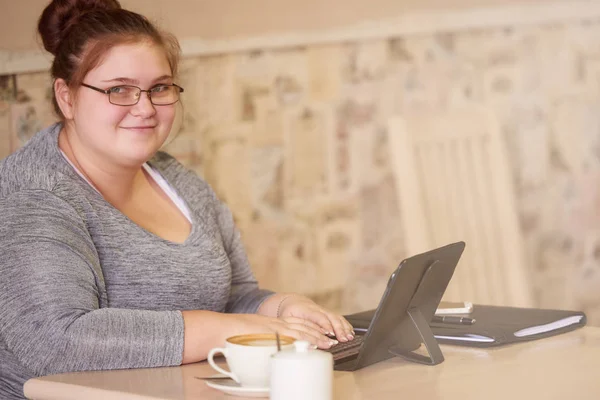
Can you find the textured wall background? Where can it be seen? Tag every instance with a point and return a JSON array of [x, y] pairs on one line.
[[294, 140]]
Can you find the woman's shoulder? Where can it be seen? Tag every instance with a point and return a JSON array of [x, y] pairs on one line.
[[36, 166]]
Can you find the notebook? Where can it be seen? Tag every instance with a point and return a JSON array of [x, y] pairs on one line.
[[496, 326], [399, 325]]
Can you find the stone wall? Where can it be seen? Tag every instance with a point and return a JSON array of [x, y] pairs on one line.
[[294, 140]]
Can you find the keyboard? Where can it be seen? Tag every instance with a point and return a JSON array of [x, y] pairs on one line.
[[344, 350]]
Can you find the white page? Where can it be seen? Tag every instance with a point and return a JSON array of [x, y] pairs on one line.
[[469, 337], [561, 323]]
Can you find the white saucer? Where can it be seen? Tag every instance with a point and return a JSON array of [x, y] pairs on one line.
[[229, 386]]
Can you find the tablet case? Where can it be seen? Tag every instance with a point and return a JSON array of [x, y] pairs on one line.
[[399, 324], [495, 325]]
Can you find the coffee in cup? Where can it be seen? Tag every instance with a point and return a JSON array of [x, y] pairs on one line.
[[249, 357]]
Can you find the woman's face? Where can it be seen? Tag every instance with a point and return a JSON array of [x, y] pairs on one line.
[[124, 135]]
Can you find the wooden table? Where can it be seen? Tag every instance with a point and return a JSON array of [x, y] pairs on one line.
[[561, 367]]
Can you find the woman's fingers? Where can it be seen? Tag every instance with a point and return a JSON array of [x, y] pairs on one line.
[[334, 324], [331, 324], [342, 329], [348, 326], [318, 317], [301, 331], [302, 307], [308, 323]]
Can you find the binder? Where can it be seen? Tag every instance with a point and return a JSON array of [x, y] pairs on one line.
[[497, 325]]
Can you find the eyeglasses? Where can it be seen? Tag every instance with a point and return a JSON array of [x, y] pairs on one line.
[[127, 95]]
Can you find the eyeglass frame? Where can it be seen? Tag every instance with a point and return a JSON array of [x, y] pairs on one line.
[[149, 91]]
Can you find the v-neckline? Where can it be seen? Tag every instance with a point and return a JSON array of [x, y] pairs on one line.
[[118, 212]]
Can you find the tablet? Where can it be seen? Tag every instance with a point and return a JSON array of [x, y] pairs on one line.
[[400, 323]]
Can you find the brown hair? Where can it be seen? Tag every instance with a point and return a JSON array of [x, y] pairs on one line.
[[79, 33]]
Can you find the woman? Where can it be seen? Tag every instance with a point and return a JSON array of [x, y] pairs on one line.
[[112, 254]]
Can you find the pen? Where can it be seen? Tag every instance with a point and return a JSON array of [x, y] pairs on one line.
[[453, 319]]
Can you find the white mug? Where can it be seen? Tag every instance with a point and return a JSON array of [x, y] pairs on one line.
[[302, 374], [249, 357]]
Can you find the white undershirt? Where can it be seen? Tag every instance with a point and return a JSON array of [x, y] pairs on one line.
[[160, 181], [168, 189]]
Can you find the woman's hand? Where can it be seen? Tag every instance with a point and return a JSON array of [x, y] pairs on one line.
[[297, 306], [298, 328], [204, 330]]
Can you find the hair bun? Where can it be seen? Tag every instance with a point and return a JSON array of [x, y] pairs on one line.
[[60, 16]]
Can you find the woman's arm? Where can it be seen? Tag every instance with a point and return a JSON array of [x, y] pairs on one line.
[[54, 315], [206, 329]]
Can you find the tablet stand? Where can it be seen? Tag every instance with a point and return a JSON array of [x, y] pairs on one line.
[[421, 325]]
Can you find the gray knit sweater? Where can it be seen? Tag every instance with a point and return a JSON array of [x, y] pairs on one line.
[[82, 287]]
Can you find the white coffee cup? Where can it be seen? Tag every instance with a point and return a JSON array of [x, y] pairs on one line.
[[249, 357], [302, 374]]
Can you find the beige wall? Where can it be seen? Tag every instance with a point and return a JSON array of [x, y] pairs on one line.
[[212, 19]]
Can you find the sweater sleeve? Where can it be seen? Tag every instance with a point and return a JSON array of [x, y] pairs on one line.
[[245, 296], [53, 312]]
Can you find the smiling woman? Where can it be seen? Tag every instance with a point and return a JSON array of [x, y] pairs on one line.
[[112, 254], [102, 127]]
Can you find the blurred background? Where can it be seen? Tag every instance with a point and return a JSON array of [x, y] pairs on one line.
[[287, 111]]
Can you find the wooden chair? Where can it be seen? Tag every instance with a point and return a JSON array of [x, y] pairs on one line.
[[453, 183]]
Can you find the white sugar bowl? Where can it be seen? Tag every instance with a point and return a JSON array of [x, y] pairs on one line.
[[302, 374]]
